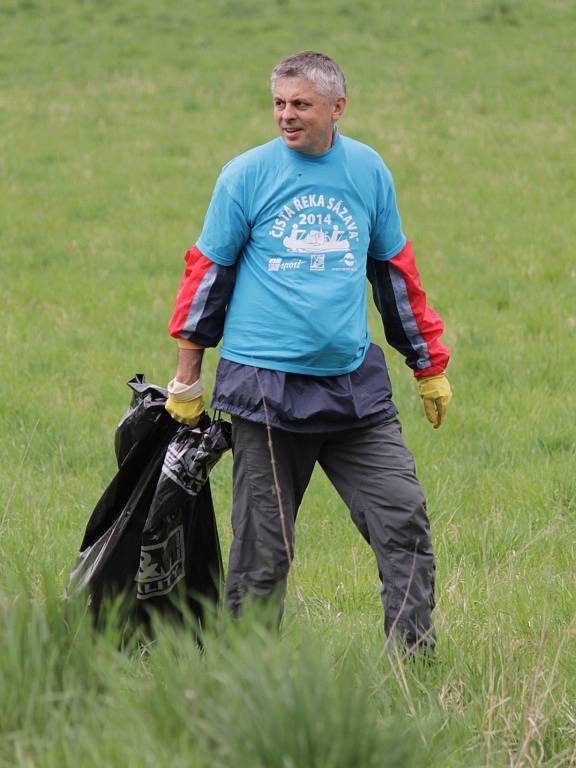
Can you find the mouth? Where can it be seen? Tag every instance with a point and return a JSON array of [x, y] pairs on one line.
[[291, 132]]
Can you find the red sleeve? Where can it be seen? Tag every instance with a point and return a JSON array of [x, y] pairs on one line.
[[202, 298], [411, 325]]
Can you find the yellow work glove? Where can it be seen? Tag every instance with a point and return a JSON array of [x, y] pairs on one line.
[[436, 393], [185, 402]]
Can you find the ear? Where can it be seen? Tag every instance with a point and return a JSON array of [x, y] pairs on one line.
[[338, 108]]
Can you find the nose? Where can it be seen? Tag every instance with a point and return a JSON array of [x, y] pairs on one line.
[[288, 113]]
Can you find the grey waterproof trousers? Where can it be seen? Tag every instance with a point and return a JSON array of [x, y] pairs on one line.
[[374, 474]]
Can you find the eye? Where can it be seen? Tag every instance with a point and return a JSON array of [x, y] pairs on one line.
[[279, 104]]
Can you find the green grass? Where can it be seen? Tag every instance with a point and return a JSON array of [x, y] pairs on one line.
[[115, 119]]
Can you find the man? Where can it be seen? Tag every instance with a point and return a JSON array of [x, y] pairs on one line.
[[292, 230]]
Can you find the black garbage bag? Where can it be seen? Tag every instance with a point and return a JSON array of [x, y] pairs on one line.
[[152, 537]]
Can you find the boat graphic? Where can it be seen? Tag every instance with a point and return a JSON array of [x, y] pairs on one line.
[[315, 241]]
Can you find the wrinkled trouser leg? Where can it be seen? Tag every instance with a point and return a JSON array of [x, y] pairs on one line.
[[374, 473], [261, 551]]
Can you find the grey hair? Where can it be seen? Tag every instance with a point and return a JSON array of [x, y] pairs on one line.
[[319, 69]]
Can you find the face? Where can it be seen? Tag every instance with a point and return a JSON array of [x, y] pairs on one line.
[[305, 117]]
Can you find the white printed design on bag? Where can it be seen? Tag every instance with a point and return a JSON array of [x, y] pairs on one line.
[[161, 566], [178, 463]]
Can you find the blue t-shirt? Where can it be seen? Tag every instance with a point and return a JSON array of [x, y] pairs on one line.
[[300, 227]]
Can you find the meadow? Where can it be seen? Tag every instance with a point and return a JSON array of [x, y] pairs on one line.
[[115, 120]]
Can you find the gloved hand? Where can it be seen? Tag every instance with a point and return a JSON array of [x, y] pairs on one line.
[[436, 393], [185, 402]]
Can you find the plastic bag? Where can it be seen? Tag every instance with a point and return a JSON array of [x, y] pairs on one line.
[[152, 536]]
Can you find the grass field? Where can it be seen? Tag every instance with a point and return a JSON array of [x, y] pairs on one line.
[[115, 120]]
